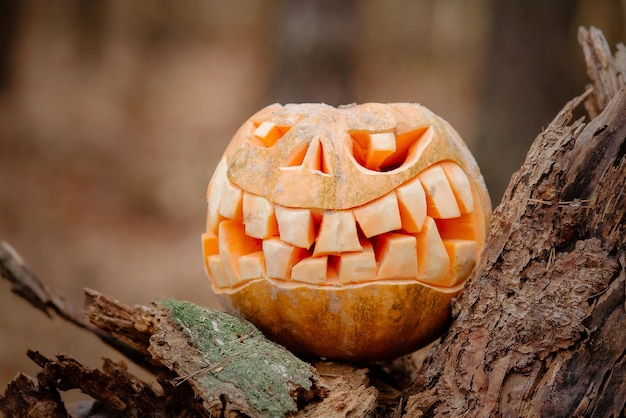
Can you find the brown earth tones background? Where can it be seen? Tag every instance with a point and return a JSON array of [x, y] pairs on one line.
[[113, 115]]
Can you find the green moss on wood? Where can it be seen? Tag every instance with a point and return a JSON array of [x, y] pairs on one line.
[[236, 353]]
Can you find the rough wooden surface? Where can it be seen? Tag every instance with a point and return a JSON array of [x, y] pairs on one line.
[[540, 330]]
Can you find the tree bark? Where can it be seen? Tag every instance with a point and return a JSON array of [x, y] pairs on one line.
[[540, 330]]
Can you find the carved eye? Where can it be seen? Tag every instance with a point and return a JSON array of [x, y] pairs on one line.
[[267, 134], [384, 151]]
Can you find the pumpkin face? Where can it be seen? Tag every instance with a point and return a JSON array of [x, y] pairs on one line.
[[345, 232]]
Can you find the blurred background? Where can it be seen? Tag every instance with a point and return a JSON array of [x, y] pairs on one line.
[[113, 115]]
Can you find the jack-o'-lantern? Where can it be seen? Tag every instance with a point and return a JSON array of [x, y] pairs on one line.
[[345, 232]]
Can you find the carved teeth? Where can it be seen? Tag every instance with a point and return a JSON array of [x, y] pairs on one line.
[[460, 186], [459, 228], [210, 248], [214, 195], [397, 256], [337, 234], [216, 271], [423, 230], [230, 202], [439, 195], [210, 245], [295, 226], [252, 266], [280, 257], [432, 258], [380, 216], [462, 255], [311, 270], [258, 216], [234, 243], [412, 205], [357, 267]]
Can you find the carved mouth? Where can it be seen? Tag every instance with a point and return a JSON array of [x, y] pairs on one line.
[[425, 230]]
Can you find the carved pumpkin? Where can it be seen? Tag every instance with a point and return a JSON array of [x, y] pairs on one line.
[[345, 232]]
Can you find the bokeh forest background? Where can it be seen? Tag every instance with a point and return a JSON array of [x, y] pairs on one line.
[[114, 113]]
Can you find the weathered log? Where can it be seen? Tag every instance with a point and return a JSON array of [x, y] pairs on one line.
[[540, 330]]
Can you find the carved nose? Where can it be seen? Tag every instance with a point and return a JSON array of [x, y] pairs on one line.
[[308, 156]]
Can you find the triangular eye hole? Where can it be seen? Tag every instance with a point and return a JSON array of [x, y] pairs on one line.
[[267, 134], [383, 151]]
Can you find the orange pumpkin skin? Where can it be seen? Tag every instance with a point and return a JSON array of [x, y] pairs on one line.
[[364, 322], [345, 232]]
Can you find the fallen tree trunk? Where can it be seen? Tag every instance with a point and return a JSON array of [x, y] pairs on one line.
[[540, 329]]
